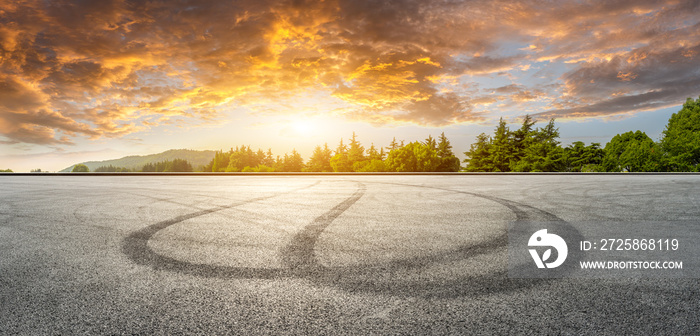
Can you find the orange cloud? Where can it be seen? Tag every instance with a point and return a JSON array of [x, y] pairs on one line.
[[626, 76], [115, 67]]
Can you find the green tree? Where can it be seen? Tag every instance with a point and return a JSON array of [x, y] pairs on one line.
[[278, 166], [269, 159], [180, 165], [293, 162], [491, 154], [111, 169], [320, 160], [373, 154], [176, 165], [448, 161], [356, 152], [681, 139], [631, 152], [370, 166], [242, 157], [259, 168], [427, 156], [220, 161], [501, 150], [374, 161], [393, 145], [430, 142], [80, 168], [413, 157], [340, 161], [260, 157], [581, 158], [6, 170], [403, 159], [542, 153], [236, 160], [479, 155], [522, 139]]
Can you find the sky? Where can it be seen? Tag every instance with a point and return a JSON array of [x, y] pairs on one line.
[[96, 80]]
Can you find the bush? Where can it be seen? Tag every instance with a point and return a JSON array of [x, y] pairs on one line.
[[80, 168]]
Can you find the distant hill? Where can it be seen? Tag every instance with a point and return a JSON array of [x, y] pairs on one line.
[[196, 158]]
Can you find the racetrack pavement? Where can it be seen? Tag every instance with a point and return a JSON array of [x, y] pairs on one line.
[[395, 254]]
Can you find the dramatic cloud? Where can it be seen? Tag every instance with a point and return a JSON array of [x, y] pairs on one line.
[[643, 79], [114, 67]]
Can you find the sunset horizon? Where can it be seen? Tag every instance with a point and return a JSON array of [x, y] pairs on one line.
[[92, 81]]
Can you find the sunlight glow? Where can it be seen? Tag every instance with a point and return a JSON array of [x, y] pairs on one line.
[[303, 127]]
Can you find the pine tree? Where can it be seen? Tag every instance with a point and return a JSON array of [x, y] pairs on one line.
[[373, 154], [430, 142], [293, 162], [479, 155], [579, 158], [269, 158], [522, 139], [448, 161], [339, 161], [320, 160], [356, 151], [393, 145], [543, 153], [501, 149]]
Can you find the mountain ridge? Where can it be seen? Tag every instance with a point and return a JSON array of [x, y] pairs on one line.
[[195, 157]]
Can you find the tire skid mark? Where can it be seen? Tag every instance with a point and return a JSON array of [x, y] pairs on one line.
[[299, 253], [370, 278], [135, 247], [523, 213], [299, 259], [170, 200]]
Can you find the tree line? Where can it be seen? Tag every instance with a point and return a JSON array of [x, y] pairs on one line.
[[525, 149], [175, 165], [430, 155], [529, 149]]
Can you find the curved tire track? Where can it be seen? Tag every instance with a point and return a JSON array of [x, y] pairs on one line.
[[299, 255], [371, 278], [300, 261], [135, 247]]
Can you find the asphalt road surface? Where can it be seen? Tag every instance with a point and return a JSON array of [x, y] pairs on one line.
[[322, 255]]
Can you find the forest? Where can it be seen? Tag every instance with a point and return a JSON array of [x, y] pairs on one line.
[[430, 155], [527, 149], [175, 165]]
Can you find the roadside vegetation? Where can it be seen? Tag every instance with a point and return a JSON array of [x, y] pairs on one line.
[[537, 150], [80, 168], [521, 149], [176, 165], [430, 155]]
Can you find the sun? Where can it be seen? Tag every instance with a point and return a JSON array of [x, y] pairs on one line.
[[303, 127]]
